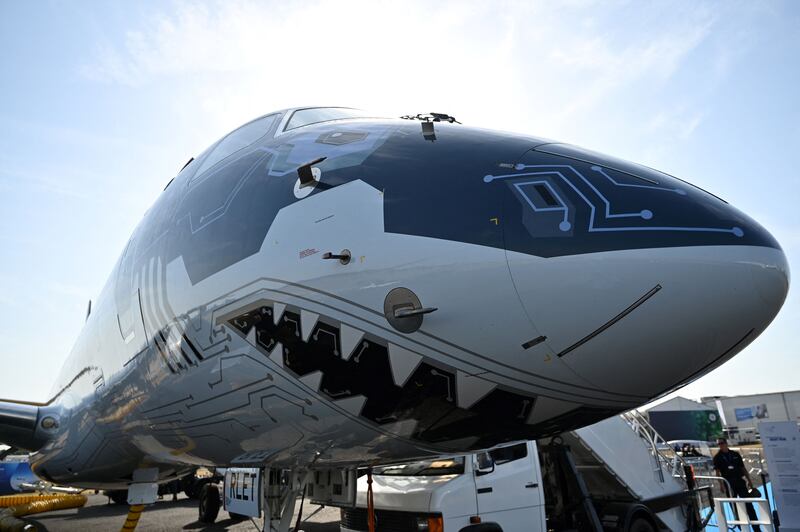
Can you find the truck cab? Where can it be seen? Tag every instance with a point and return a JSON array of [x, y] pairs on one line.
[[610, 476], [446, 494]]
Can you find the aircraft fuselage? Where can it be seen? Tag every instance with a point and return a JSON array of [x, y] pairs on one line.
[[484, 287]]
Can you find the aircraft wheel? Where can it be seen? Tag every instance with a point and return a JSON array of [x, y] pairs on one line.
[[208, 503], [118, 496]]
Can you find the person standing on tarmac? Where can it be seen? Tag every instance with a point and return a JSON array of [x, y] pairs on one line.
[[730, 466]]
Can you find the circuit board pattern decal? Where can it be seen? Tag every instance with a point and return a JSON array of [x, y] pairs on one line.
[[547, 192]]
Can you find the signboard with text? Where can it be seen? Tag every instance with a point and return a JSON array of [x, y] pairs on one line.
[[242, 491], [781, 441], [751, 412]]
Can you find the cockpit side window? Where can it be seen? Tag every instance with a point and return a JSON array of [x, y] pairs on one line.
[[314, 115], [127, 313], [237, 140]]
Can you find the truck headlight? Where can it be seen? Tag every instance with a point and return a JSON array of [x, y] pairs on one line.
[[430, 524]]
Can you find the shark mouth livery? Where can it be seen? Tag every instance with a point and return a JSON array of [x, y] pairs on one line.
[[325, 286]]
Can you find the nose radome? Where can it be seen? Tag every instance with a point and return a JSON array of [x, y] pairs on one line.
[[703, 306], [639, 281]]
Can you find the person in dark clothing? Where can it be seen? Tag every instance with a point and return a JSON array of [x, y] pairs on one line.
[[730, 466]]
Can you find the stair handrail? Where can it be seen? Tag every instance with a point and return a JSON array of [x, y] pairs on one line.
[[641, 426]]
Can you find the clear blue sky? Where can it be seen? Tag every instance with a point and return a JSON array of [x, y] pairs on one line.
[[102, 103]]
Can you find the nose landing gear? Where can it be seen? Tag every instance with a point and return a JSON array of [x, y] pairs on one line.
[[208, 503]]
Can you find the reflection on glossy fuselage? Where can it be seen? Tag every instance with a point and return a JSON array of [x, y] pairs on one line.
[[567, 287]]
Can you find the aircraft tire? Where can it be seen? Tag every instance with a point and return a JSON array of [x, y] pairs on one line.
[[118, 496], [208, 503]]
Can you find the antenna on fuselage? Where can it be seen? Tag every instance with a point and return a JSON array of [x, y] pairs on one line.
[[427, 120]]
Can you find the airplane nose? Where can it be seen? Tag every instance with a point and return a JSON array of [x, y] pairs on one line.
[[648, 321], [640, 282]]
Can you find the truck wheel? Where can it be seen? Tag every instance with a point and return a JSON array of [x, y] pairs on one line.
[[641, 524], [208, 504]]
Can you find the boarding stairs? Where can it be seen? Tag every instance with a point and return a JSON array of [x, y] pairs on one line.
[[732, 512], [620, 458]]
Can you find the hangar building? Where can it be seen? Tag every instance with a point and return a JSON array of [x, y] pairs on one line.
[[744, 412]]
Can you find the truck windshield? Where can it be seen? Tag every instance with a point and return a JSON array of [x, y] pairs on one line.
[[424, 468]]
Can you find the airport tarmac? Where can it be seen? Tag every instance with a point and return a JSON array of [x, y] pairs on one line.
[[166, 515]]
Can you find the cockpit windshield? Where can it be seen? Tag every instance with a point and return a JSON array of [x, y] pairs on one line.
[[424, 468], [314, 115]]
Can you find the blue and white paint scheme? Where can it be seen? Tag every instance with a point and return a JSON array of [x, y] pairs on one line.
[[14, 472], [431, 288]]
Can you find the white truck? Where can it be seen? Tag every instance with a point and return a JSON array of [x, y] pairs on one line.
[[608, 476]]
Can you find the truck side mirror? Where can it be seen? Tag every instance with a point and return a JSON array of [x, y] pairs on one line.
[[484, 464]]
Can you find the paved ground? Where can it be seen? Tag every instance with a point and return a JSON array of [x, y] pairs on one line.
[[165, 515]]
